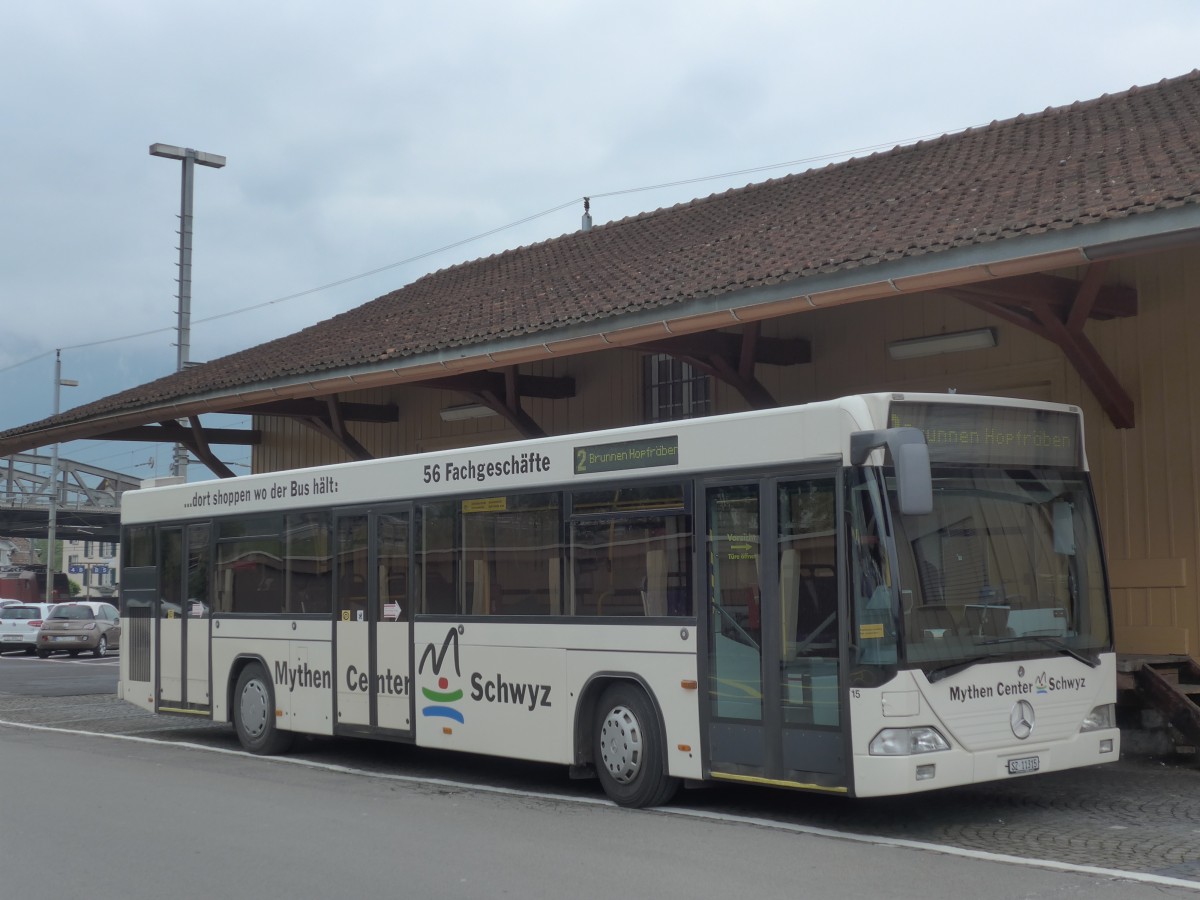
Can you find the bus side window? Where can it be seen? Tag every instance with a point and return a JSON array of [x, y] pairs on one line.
[[437, 547], [353, 590]]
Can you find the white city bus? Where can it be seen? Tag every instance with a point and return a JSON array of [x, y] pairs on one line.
[[874, 595]]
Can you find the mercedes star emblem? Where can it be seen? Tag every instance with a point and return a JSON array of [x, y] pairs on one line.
[[1021, 718]]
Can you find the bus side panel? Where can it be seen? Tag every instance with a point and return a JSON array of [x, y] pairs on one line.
[[197, 661], [510, 689], [299, 663], [669, 677], [503, 701], [138, 593], [137, 652], [170, 656]]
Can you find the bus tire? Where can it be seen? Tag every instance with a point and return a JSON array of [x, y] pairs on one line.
[[628, 749], [254, 714]]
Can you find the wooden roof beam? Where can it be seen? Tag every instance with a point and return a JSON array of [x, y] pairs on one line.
[[543, 387], [514, 414], [197, 440], [501, 392], [169, 433], [1109, 301], [330, 422], [386, 413], [1062, 324], [732, 358], [199, 446], [1095, 373]]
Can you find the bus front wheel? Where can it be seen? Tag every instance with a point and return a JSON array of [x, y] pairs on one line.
[[628, 749], [254, 714]]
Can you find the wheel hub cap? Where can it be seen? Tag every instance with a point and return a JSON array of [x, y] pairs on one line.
[[621, 744], [254, 708]]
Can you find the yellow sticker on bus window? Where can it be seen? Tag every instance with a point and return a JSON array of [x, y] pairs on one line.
[[871, 630], [345, 615], [485, 504]]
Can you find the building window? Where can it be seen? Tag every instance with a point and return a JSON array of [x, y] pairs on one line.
[[674, 390]]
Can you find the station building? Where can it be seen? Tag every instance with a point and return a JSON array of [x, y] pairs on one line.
[[1054, 256]]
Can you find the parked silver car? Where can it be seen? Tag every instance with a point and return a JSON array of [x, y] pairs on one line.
[[20, 624], [78, 626]]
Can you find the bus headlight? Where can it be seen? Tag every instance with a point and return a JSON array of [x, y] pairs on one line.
[[907, 741], [1101, 717]]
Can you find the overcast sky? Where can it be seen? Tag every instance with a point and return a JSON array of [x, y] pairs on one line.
[[363, 137]]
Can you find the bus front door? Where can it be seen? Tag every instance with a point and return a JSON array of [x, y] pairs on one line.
[[372, 646], [775, 699], [182, 620]]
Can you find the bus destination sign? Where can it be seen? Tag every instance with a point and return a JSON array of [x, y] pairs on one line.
[[993, 435], [615, 457]]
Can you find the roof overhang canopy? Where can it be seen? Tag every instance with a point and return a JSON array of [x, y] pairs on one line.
[[983, 215]]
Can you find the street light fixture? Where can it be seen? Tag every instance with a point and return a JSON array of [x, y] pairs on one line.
[[52, 529], [190, 159]]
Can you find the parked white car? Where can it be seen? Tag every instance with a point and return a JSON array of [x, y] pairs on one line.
[[20, 624]]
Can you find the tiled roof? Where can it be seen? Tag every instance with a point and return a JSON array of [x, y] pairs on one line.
[[1109, 158]]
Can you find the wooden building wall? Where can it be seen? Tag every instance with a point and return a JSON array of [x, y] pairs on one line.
[[1145, 477]]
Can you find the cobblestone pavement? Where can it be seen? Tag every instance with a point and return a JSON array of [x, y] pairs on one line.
[[1137, 815]]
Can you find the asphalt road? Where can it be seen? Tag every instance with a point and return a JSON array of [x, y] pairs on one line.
[[1137, 816], [153, 820]]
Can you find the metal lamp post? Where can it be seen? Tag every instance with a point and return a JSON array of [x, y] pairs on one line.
[[51, 532], [190, 158]]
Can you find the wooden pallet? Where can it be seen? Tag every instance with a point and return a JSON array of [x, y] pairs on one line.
[[1173, 688]]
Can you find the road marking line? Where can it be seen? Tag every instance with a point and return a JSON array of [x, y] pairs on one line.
[[1143, 877], [90, 661]]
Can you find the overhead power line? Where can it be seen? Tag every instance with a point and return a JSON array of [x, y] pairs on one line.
[[808, 160]]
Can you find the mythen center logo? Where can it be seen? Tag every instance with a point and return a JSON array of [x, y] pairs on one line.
[[443, 695]]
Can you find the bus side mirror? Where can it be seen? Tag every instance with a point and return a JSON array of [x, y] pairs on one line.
[[914, 482], [910, 456]]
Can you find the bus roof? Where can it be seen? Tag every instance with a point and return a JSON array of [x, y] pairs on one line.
[[733, 441]]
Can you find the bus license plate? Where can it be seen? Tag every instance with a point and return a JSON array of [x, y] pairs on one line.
[[1024, 764]]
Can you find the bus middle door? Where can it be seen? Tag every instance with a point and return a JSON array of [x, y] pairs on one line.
[[372, 637], [182, 620]]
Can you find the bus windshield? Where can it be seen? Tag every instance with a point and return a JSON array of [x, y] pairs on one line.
[[1007, 565]]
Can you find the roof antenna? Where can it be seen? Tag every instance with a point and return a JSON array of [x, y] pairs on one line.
[[587, 215]]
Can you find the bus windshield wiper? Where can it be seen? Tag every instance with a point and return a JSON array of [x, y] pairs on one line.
[[949, 669], [1055, 643]]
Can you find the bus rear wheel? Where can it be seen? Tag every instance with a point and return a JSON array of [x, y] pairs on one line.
[[628, 749], [254, 714]]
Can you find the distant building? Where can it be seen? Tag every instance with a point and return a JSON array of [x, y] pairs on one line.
[[94, 566], [18, 552]]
